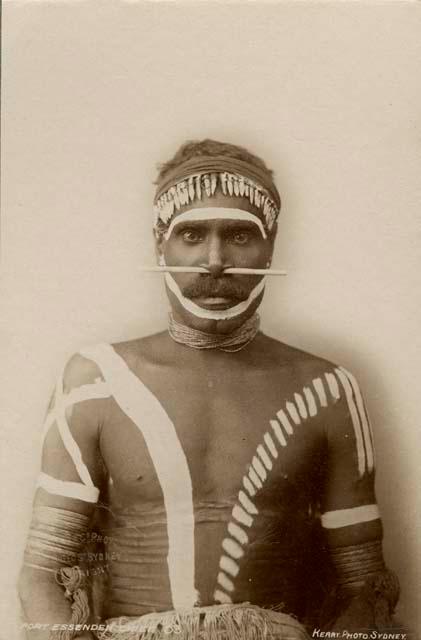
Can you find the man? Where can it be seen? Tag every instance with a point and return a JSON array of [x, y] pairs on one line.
[[214, 451]]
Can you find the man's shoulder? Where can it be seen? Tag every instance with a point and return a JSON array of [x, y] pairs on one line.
[[300, 362]]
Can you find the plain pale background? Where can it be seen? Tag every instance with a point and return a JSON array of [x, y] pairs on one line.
[[95, 94]]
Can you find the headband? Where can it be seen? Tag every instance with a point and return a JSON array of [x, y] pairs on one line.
[[186, 183]]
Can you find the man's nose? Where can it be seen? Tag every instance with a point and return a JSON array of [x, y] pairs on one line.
[[215, 260]]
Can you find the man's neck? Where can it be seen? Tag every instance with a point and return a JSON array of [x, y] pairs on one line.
[[235, 341]]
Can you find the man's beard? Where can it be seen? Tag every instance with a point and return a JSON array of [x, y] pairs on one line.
[[210, 287]]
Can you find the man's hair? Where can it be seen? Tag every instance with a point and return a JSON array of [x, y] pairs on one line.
[[208, 147]]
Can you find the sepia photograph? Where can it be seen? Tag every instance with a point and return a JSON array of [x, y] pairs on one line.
[[211, 258]]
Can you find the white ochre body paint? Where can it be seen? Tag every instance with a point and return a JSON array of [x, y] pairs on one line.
[[213, 314], [215, 213]]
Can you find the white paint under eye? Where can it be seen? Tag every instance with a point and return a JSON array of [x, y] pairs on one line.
[[302, 409], [312, 406], [278, 432], [264, 457], [215, 213], [282, 417], [232, 548], [241, 516], [248, 486], [238, 533], [215, 314], [271, 445], [247, 504]]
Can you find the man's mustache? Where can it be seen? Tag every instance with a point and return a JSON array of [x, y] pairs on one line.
[[208, 287]]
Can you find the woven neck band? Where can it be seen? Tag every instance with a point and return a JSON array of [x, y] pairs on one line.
[[231, 342]]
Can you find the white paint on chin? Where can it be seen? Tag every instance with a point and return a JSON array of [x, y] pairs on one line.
[[213, 314]]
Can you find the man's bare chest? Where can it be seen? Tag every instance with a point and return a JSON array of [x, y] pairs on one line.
[[224, 425]]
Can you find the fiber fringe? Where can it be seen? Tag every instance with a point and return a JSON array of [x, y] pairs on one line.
[[218, 622], [72, 579]]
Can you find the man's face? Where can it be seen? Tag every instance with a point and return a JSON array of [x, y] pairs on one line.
[[222, 302]]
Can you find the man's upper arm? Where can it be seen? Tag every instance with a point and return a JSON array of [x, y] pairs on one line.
[[72, 470]]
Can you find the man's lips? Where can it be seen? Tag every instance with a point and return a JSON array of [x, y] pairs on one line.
[[215, 302]]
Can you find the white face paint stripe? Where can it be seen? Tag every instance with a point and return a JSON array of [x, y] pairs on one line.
[[292, 410], [320, 390], [259, 468], [312, 407], [247, 504], [264, 457], [232, 548], [255, 478], [271, 445], [215, 213], [67, 489], [238, 533], [285, 422], [225, 582], [333, 385], [68, 440], [278, 432], [248, 486], [241, 516], [355, 420], [350, 517], [363, 416], [302, 409], [229, 566], [169, 460], [216, 314], [220, 596]]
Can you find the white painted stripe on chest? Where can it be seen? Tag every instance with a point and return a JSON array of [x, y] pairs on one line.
[[312, 406], [350, 517], [222, 597], [241, 516], [282, 417], [170, 463], [364, 421], [271, 445], [248, 486], [232, 548], [229, 566], [320, 390], [264, 457], [238, 533], [225, 582], [355, 420], [259, 468], [302, 409], [255, 478], [333, 386], [247, 504], [278, 432]]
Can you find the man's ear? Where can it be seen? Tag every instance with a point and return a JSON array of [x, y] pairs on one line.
[[159, 239], [272, 235]]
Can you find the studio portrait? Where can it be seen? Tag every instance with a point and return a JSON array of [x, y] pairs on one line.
[[211, 344]]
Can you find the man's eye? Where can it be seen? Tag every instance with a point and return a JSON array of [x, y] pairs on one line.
[[241, 237], [190, 235]]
